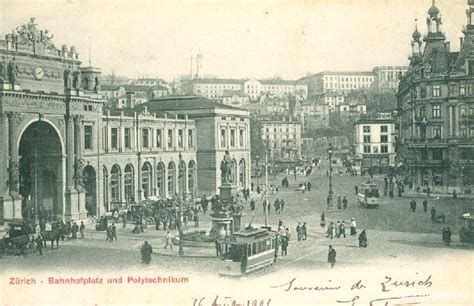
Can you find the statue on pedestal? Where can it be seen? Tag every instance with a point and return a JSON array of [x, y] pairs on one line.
[[226, 168]]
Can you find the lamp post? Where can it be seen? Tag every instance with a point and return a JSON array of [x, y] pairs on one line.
[[257, 172], [330, 193]]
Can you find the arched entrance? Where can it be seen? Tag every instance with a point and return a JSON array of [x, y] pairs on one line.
[[41, 171], [182, 178], [147, 175], [90, 183], [129, 184], [160, 179], [171, 179]]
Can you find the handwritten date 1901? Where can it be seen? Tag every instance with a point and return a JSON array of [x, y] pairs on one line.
[[229, 301]]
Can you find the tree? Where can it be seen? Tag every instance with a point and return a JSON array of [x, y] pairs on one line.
[[257, 144]]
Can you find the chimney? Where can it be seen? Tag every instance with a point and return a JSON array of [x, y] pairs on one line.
[[448, 46], [461, 40]]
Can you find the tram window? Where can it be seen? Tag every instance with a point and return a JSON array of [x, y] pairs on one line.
[[249, 249], [254, 248], [269, 245], [374, 193]]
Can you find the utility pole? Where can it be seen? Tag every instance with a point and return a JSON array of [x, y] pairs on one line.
[[266, 188]]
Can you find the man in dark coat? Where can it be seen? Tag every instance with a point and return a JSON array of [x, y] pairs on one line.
[[39, 244], [252, 205], [425, 205], [332, 256], [363, 239], [433, 213], [146, 251], [113, 232]]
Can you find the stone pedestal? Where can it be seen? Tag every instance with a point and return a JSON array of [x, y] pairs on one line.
[[12, 208], [227, 192], [221, 227], [75, 205], [237, 222]]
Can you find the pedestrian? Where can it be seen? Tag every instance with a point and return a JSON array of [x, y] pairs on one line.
[[353, 227], [455, 195], [113, 232], [252, 205], [344, 203], [218, 248], [391, 193], [309, 186], [298, 231], [251, 186], [428, 191], [356, 188], [448, 236], [269, 207], [258, 189], [62, 229], [433, 213], [323, 220], [330, 231], [284, 245], [282, 205], [277, 206], [303, 230], [74, 230], [338, 228], [124, 221], [82, 228], [425, 205], [385, 190], [363, 239], [342, 229], [39, 244], [146, 251], [108, 233], [168, 241], [332, 256], [339, 203], [196, 219], [204, 204]]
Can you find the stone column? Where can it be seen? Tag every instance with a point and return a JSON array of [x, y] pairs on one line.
[[14, 119], [139, 177], [4, 151], [69, 154], [78, 147]]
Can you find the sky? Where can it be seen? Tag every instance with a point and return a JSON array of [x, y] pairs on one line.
[[237, 39]]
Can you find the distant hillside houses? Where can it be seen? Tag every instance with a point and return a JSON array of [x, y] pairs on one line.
[[128, 96]]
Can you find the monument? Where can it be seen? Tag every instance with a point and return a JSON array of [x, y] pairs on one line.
[[226, 212]]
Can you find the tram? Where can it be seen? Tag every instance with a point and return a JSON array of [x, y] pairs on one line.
[[248, 250], [368, 195]]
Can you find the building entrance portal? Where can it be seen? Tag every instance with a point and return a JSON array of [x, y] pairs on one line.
[[41, 172]]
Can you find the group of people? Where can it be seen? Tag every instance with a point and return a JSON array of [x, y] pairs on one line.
[[301, 231], [111, 233], [341, 203], [336, 230]]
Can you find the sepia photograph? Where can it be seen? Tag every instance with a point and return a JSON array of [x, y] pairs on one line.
[[236, 153]]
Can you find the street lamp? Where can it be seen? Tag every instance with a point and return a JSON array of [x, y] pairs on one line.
[[330, 193], [257, 172]]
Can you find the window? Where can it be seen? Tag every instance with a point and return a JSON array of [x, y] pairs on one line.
[[383, 129], [159, 138], [241, 138], [114, 138], [471, 131], [436, 91], [180, 138], [145, 139], [366, 149], [232, 138], [462, 110], [423, 92], [170, 138], [436, 111], [383, 138], [87, 137], [452, 89], [376, 149], [223, 140], [463, 131], [437, 131], [462, 90], [422, 112], [190, 139], [383, 149], [128, 138], [366, 138], [366, 129], [437, 178]]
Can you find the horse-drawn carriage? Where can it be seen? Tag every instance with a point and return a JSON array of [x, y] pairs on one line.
[[466, 234], [18, 239]]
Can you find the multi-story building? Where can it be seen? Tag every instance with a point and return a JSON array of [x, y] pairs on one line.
[[436, 109], [374, 142], [215, 88], [338, 81], [236, 98], [59, 150], [388, 77], [282, 137], [220, 128]]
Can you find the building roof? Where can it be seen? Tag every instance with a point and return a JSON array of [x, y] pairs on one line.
[[137, 87], [277, 82], [231, 93], [218, 81], [357, 73], [159, 87], [109, 87], [188, 103]]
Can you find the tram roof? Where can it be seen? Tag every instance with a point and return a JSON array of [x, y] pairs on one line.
[[249, 235]]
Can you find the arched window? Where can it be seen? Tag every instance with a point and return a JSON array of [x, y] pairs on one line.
[[234, 173], [160, 179], [129, 183], [146, 179], [105, 191], [171, 179], [115, 185], [191, 173], [242, 173], [182, 178]]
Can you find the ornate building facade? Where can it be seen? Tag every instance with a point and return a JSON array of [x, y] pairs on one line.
[[61, 152], [436, 110]]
